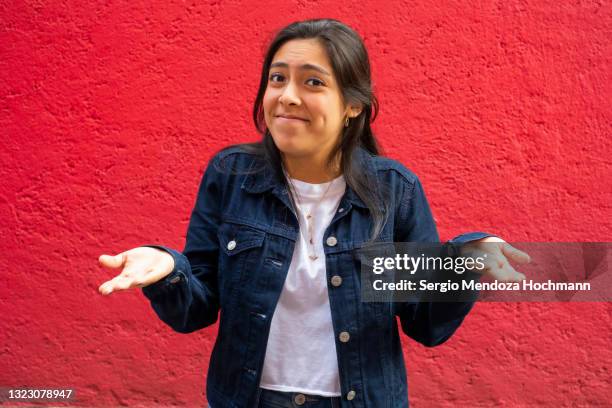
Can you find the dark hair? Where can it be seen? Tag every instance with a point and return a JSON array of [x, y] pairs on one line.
[[351, 66]]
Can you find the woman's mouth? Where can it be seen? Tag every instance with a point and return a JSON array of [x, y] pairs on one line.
[[290, 119]]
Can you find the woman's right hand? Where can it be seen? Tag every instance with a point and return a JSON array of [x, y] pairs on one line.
[[138, 267]]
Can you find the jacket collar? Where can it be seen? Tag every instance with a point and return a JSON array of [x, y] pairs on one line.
[[266, 179]]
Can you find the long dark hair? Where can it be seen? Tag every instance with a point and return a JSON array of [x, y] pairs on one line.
[[351, 66]]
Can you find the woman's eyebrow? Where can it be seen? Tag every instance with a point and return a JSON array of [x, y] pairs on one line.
[[302, 67]]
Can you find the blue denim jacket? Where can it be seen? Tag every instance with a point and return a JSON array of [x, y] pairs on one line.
[[239, 244]]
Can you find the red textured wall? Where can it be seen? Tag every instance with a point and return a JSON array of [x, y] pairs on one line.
[[110, 112]]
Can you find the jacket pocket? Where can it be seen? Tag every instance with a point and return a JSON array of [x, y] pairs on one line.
[[241, 245]]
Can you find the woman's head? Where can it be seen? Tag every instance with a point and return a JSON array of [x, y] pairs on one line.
[[317, 71], [290, 85], [303, 105]]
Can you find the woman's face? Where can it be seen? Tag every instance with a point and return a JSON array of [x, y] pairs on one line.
[[303, 105]]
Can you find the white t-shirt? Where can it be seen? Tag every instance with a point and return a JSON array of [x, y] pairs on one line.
[[301, 349]]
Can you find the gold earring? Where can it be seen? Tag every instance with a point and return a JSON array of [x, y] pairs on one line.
[[346, 122]]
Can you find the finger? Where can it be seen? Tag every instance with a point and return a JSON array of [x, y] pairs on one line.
[[113, 262], [106, 288], [118, 283], [515, 255], [512, 274]]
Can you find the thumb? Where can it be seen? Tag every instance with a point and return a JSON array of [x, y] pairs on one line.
[[113, 262], [515, 255]]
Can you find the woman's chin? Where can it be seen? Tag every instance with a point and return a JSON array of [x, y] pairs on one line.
[[288, 143]]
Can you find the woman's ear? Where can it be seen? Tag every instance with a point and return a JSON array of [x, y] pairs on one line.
[[354, 111]]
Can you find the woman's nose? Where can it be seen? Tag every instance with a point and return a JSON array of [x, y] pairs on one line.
[[289, 96]]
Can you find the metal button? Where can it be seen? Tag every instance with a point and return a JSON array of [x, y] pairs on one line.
[[231, 245], [340, 209], [331, 241], [336, 280], [350, 395], [344, 336], [299, 399], [175, 279]]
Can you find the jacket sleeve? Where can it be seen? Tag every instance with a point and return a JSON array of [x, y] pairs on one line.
[[429, 323], [188, 298]]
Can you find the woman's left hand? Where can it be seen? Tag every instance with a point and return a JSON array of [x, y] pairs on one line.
[[497, 255]]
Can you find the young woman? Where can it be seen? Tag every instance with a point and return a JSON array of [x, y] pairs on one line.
[[272, 237]]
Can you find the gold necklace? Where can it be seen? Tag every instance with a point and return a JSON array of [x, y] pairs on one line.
[[309, 217]]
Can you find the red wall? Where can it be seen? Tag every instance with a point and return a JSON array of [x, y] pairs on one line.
[[109, 113]]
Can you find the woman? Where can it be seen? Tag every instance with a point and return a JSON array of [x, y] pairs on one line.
[[272, 235]]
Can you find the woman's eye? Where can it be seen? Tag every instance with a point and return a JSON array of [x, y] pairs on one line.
[[315, 82], [276, 77]]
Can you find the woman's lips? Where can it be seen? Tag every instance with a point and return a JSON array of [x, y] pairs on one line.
[[285, 119]]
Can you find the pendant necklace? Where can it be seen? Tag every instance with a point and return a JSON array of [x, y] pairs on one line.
[[309, 217]]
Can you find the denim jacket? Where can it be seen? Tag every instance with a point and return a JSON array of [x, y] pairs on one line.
[[239, 245]]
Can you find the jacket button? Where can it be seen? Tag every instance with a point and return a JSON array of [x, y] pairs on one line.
[[299, 399], [344, 336], [340, 209], [175, 279], [231, 245], [336, 280], [331, 241], [350, 395]]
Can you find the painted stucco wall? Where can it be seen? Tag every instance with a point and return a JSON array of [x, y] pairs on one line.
[[109, 112]]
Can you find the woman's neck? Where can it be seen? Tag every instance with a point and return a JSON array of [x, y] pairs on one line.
[[310, 169]]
